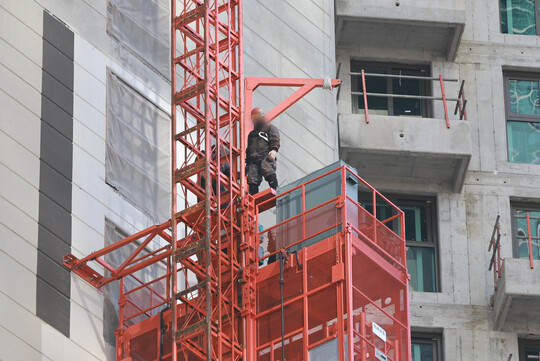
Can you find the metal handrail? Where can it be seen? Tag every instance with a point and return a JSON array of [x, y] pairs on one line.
[[404, 96], [495, 246], [461, 102], [341, 199], [415, 77]]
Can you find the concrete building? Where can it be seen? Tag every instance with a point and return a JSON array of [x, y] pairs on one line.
[[453, 182], [73, 73]]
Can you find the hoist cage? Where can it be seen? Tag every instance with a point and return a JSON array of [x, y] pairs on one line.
[[331, 255]]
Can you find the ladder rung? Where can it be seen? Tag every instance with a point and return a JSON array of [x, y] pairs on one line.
[[191, 109], [190, 330], [187, 291], [189, 16], [189, 210], [190, 249], [190, 92], [189, 170], [188, 54], [190, 130]]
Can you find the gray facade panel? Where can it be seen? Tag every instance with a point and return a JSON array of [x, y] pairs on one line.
[[54, 274], [57, 92], [55, 186], [56, 166], [56, 150], [55, 218], [52, 246], [57, 118], [58, 34], [52, 307], [58, 65]]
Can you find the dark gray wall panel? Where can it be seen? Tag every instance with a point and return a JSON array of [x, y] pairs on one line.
[[52, 246], [56, 166], [57, 118], [58, 34], [55, 218], [57, 92], [55, 186], [53, 307], [56, 150], [56, 64], [54, 274]]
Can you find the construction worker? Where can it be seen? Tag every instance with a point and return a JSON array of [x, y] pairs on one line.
[[263, 145]]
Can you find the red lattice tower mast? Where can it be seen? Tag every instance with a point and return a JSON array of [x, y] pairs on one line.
[[207, 34]]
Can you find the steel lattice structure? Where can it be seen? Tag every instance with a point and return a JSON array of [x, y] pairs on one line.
[[207, 35]]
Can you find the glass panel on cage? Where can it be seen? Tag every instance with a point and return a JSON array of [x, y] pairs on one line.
[[518, 17]]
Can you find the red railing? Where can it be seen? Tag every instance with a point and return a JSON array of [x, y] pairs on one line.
[[461, 102], [310, 223], [529, 239], [495, 263], [495, 248]]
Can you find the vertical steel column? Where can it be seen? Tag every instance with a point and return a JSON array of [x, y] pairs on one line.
[[174, 209], [350, 299], [209, 99], [443, 94]]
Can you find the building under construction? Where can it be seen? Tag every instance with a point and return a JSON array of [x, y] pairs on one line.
[[406, 222]]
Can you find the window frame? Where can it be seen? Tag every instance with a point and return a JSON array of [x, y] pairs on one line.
[[515, 206], [511, 117], [523, 343], [527, 76], [536, 18], [434, 339], [426, 86], [431, 225]]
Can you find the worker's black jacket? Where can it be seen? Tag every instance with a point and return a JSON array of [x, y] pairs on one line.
[[260, 142]]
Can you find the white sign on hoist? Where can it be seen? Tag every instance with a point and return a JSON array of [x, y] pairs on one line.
[[378, 331], [380, 355]]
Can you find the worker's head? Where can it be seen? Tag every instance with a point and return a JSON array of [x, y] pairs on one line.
[[258, 117]]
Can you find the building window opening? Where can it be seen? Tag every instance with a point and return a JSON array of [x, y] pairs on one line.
[[523, 118], [426, 347], [391, 87], [519, 17], [521, 230]]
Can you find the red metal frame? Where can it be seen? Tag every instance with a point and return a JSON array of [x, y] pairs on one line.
[[495, 248], [304, 85], [333, 280], [204, 305], [209, 33]]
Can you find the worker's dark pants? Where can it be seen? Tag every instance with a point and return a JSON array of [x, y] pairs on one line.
[[256, 171]]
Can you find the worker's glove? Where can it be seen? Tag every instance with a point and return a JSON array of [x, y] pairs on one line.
[[272, 155]]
